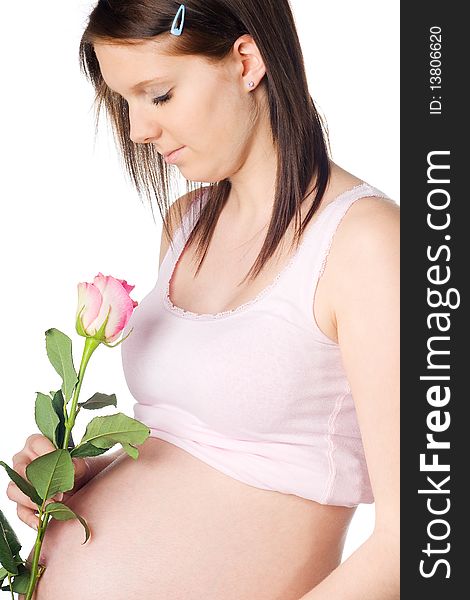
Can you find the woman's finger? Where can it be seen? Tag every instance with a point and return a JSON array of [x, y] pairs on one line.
[[27, 516], [16, 495]]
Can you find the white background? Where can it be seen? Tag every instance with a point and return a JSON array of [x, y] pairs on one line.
[[68, 212]]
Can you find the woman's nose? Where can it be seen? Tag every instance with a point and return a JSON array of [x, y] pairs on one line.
[[143, 127]]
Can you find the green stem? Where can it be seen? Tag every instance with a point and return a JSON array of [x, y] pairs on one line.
[[90, 346], [37, 551], [11, 589]]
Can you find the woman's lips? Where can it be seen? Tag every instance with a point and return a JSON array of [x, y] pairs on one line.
[[173, 156]]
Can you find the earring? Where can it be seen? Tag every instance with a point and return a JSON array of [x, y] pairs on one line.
[[251, 84]]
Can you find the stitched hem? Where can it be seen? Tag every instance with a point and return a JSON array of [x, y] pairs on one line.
[[331, 448]]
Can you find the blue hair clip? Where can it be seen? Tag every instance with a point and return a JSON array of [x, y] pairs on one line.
[[178, 30]]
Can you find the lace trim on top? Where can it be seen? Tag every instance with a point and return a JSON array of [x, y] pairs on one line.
[[187, 314]]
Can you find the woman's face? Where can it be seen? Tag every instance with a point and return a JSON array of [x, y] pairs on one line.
[[186, 102]]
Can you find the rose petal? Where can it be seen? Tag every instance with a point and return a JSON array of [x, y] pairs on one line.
[[89, 297], [114, 296]]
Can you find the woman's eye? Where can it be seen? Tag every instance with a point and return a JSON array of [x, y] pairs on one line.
[[162, 99]]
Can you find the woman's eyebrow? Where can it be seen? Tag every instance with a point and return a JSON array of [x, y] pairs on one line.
[[142, 84]]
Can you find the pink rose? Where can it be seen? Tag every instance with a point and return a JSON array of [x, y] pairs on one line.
[[104, 308]]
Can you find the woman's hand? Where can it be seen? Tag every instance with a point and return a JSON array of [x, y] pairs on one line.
[[37, 445]]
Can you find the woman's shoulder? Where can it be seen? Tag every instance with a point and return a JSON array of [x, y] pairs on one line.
[[366, 211], [370, 221], [342, 181], [367, 239], [369, 216]]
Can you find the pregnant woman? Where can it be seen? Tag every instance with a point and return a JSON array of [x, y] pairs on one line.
[[265, 359]]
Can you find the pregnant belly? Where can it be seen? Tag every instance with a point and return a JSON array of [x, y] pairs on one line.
[[169, 527]]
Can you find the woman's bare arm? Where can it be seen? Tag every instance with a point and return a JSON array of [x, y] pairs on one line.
[[365, 297]]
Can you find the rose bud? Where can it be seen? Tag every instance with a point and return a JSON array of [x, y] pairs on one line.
[[104, 308]]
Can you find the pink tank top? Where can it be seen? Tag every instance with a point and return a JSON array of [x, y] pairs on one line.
[[259, 392]]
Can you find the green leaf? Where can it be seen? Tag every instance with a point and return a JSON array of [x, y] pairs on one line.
[[46, 417], [62, 512], [22, 483], [104, 432], [9, 545], [87, 449], [51, 473], [58, 406], [3, 574], [99, 401], [131, 450], [20, 583], [59, 351]]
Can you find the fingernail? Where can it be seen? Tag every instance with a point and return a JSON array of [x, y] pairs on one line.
[[60, 496], [35, 525]]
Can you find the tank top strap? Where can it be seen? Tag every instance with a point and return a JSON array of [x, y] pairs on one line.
[[308, 263], [181, 234], [188, 221], [190, 218], [319, 241]]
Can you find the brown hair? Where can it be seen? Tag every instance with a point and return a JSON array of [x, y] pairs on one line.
[[210, 29]]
